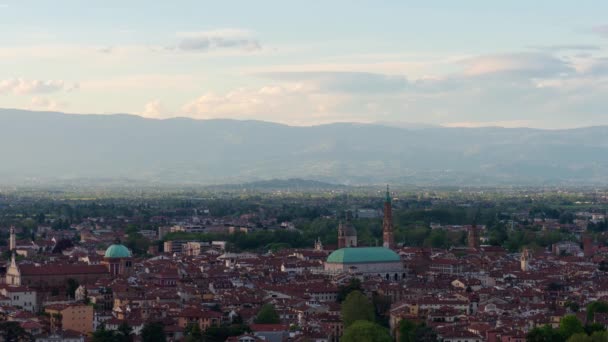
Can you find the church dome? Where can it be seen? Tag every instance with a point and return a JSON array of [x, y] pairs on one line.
[[117, 251], [363, 255]]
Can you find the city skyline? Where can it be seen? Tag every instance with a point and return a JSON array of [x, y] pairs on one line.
[[465, 65]]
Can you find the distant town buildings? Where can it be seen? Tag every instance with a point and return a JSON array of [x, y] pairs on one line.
[[469, 291]]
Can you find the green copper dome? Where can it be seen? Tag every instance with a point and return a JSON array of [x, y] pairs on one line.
[[362, 255], [117, 251]]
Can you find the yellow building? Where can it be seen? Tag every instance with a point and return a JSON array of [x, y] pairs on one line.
[[76, 317]]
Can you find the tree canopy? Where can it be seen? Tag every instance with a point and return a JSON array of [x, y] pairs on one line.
[[267, 315], [354, 284], [570, 325], [153, 332], [123, 334], [357, 307], [12, 331], [598, 336], [544, 334], [365, 331], [594, 307]]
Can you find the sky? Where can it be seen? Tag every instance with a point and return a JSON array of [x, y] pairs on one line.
[[541, 64]]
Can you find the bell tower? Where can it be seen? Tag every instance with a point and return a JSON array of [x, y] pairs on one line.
[[341, 236], [12, 243], [387, 223], [524, 260], [473, 237]]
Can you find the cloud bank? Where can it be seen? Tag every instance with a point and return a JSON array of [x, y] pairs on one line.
[[218, 39], [21, 86]]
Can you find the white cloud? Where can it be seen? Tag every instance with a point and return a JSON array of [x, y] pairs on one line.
[[21, 86], [602, 30], [566, 47], [289, 103], [218, 39], [516, 65], [154, 109], [43, 103], [342, 81], [142, 81]]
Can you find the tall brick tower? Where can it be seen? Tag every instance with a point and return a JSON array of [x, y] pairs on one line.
[[387, 223], [588, 246], [341, 237], [473, 237]]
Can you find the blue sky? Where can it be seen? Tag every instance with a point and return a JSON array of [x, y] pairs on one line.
[[456, 63]]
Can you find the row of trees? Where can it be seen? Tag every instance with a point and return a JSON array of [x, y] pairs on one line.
[[570, 329]]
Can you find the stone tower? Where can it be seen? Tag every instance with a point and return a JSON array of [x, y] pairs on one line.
[[347, 234], [588, 246], [12, 243], [387, 223], [473, 237], [341, 236], [524, 260]]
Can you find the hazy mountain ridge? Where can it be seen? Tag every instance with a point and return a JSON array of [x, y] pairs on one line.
[[45, 146]]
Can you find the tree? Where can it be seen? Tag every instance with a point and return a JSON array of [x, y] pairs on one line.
[[424, 333], [580, 337], [62, 245], [267, 315], [599, 336], [573, 306], [193, 333], [153, 332], [591, 328], [125, 332], [594, 307], [343, 290], [570, 325], [382, 305], [544, 334], [220, 334], [365, 331], [356, 307], [407, 330], [72, 286], [103, 335], [13, 332]]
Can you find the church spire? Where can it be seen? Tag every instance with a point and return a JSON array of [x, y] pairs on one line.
[[13, 260]]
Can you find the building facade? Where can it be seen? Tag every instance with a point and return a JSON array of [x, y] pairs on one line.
[[369, 261]]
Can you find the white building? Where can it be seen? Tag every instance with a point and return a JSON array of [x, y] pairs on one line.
[[19, 296]]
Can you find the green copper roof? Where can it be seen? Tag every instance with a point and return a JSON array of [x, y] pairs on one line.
[[117, 251], [363, 254]]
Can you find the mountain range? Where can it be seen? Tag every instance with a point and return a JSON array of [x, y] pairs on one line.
[[47, 147]]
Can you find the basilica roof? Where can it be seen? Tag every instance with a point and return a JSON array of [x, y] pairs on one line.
[[363, 255]]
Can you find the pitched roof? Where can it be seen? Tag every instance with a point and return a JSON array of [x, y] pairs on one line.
[[30, 269]]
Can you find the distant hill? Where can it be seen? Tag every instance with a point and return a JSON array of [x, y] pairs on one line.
[[43, 147], [292, 184]]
